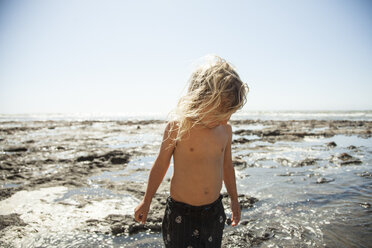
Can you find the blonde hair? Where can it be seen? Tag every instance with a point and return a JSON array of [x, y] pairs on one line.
[[215, 89]]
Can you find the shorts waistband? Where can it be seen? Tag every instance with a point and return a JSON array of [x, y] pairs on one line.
[[192, 208]]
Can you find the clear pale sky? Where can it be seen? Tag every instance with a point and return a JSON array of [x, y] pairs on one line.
[[136, 56]]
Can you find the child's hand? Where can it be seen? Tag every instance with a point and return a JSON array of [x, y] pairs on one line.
[[141, 211], [235, 208]]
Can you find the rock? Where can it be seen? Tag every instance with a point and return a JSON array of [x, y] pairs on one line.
[[16, 149], [350, 162], [244, 222], [125, 224], [353, 161], [117, 229], [228, 221], [244, 200], [321, 180], [287, 174], [344, 156], [6, 166], [331, 144], [274, 132], [7, 192], [11, 220], [347, 159], [366, 174], [115, 157], [244, 237], [243, 132], [119, 160], [133, 229], [85, 158], [241, 141], [306, 162], [365, 204], [239, 163], [351, 147]]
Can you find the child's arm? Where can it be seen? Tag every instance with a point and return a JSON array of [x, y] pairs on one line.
[[229, 179], [157, 174]]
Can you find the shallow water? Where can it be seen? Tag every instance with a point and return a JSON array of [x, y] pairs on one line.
[[319, 204]]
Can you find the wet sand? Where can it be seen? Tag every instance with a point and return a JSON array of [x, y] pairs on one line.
[[83, 178]]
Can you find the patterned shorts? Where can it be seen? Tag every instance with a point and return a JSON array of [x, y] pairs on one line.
[[193, 226]]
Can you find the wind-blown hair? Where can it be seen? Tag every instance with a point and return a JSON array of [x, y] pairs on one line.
[[215, 89]]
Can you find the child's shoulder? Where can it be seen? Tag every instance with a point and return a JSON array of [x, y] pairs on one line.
[[228, 127], [228, 130], [172, 126]]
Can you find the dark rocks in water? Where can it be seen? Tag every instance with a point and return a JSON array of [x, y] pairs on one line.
[[344, 156], [331, 144], [115, 157], [287, 174], [322, 180], [49, 161], [140, 122], [119, 160], [241, 141], [244, 200], [138, 127], [274, 132], [11, 220], [352, 161], [74, 183], [365, 204], [133, 188], [244, 237], [366, 174], [306, 162], [351, 147], [7, 192], [86, 158], [117, 229], [244, 222], [16, 149], [15, 176], [6, 166], [228, 221], [239, 163], [243, 132], [295, 130], [347, 159], [126, 224]]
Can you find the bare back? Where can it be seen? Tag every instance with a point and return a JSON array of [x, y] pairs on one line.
[[198, 165]]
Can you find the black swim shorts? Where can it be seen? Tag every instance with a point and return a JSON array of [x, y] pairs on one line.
[[193, 226]]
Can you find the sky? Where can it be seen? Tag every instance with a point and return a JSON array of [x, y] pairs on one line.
[[136, 56]]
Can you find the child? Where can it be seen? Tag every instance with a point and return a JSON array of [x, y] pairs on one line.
[[200, 142]]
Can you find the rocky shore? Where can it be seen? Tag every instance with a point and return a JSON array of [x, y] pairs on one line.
[[49, 154]]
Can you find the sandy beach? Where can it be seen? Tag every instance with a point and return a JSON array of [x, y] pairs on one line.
[[302, 183]]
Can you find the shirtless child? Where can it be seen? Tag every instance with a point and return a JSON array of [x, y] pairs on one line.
[[200, 142]]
